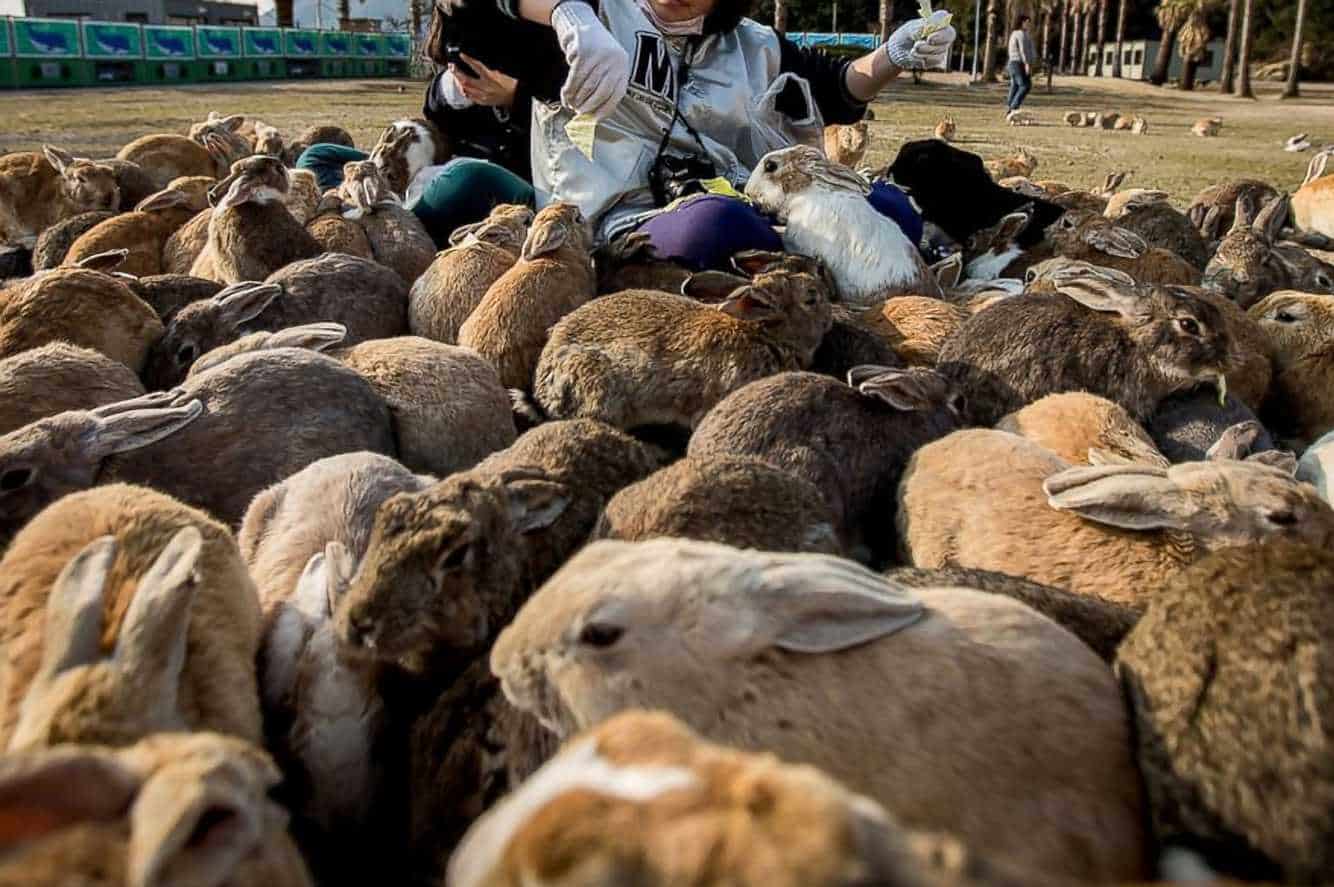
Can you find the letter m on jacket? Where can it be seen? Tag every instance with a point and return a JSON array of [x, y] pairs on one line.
[[652, 71]]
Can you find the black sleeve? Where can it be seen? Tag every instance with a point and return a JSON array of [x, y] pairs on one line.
[[499, 136], [828, 79], [524, 50]]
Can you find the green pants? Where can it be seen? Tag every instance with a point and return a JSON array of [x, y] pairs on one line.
[[463, 193]]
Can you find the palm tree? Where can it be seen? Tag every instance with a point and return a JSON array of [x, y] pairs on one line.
[[1120, 36], [1290, 90], [1077, 40], [1063, 61], [1102, 33], [886, 16], [418, 15], [283, 10], [1244, 53], [1229, 72], [1171, 15], [780, 15], [344, 11], [1088, 35], [989, 43], [1192, 41]]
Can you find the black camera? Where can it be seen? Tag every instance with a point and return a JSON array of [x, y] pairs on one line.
[[672, 178], [454, 56]]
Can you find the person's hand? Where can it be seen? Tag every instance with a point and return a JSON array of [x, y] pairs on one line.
[[490, 87], [599, 66], [451, 91], [909, 50]]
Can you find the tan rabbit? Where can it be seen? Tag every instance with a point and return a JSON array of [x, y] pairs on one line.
[[166, 156], [397, 237], [649, 358], [846, 144], [126, 613], [263, 139], [1207, 127], [553, 277], [1087, 236], [1074, 118], [221, 137], [335, 233], [251, 233], [303, 194], [946, 129], [458, 278], [1022, 163], [144, 232], [39, 190], [1313, 203], [1250, 262]]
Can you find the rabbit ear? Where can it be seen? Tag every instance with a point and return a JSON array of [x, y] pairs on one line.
[[243, 302], [1112, 182], [57, 157], [310, 336], [185, 829], [43, 792], [1269, 223], [907, 390], [340, 568], [153, 635], [1115, 241], [1283, 460], [461, 233], [73, 631], [535, 504], [1237, 442], [826, 172], [543, 239], [1211, 225], [712, 287], [749, 303], [821, 604], [1105, 296], [106, 261], [756, 261], [1131, 497], [948, 270], [136, 424], [1244, 214], [168, 199]]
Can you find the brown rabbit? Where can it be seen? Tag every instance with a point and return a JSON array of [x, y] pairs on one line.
[[648, 358], [630, 262], [405, 148], [222, 138], [553, 277], [53, 244], [166, 156], [143, 232], [251, 233], [39, 190], [186, 244], [946, 129], [458, 278], [1250, 263], [1086, 236], [334, 232], [846, 144], [397, 238], [316, 135], [1212, 209]]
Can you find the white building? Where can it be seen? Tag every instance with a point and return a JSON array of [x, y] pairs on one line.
[[1137, 58], [324, 13]]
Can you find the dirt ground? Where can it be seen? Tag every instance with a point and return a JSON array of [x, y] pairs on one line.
[[98, 121]]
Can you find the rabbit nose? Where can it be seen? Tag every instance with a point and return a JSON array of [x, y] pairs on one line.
[[359, 629]]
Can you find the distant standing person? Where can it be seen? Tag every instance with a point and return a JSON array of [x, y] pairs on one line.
[[1022, 55]]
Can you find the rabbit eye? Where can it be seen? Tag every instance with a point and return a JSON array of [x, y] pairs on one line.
[[1282, 518], [186, 354], [1188, 326], [15, 479], [771, 166], [1068, 224], [455, 558], [1283, 315], [600, 635], [1322, 279]]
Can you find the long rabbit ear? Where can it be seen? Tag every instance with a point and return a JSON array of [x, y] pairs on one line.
[[908, 390], [1269, 223], [1131, 497], [1105, 296], [42, 792], [712, 287], [192, 829], [1243, 214], [73, 632], [310, 336], [105, 261], [544, 238], [536, 504], [243, 302], [813, 163], [57, 157], [949, 270], [134, 424], [1115, 241], [1237, 442]]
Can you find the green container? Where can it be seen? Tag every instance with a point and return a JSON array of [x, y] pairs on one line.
[[337, 54], [48, 52], [169, 53], [302, 49], [6, 56], [398, 50], [219, 53], [263, 50], [114, 50], [370, 55]]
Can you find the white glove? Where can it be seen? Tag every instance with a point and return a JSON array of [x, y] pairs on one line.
[[452, 94], [599, 66], [909, 51]]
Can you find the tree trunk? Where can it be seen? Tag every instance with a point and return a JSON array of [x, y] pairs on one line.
[[780, 16], [1088, 40], [416, 12], [886, 16], [1076, 37], [1228, 75], [1120, 37], [1063, 60], [1290, 90], [1102, 33], [1188, 67], [1046, 35], [344, 13], [1244, 53], [1162, 62], [283, 10], [989, 44]]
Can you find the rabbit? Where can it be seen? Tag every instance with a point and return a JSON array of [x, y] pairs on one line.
[[59, 377], [1313, 202], [81, 306], [1299, 328], [1212, 210], [1074, 118], [1188, 427], [311, 336], [1022, 163], [1250, 263], [168, 293], [648, 358], [367, 299], [134, 183], [408, 152], [220, 136], [946, 129], [826, 215], [554, 276], [630, 263], [316, 135], [251, 234], [1207, 127], [846, 144], [1148, 214], [263, 138], [1131, 345], [39, 190], [186, 244], [177, 808], [397, 238], [126, 613], [54, 243], [163, 157], [916, 326], [336, 233], [303, 194], [1085, 235], [143, 232], [1093, 199]]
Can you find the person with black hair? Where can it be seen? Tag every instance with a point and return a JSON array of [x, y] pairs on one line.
[[1023, 56]]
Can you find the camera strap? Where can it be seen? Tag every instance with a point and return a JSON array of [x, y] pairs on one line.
[[682, 72]]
